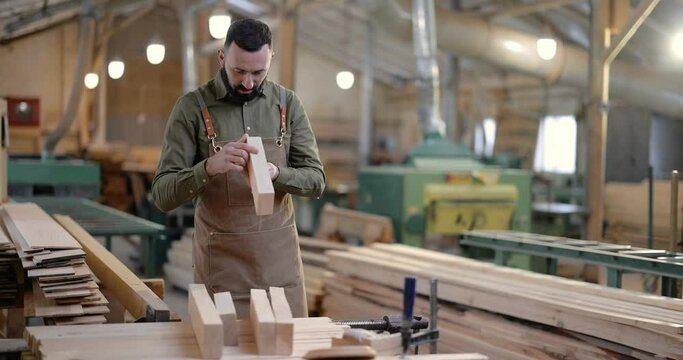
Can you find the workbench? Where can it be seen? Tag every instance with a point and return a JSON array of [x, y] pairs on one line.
[[617, 258], [101, 220]]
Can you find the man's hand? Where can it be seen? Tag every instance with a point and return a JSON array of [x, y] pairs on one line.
[[273, 171], [232, 157]]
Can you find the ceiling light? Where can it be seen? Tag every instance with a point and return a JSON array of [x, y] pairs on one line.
[[91, 80], [116, 69], [345, 80], [219, 21], [546, 48], [513, 46], [677, 45], [155, 53]]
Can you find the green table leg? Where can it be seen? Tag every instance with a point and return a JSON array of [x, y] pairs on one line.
[[107, 243], [551, 266], [614, 277], [501, 257], [669, 287], [150, 256]]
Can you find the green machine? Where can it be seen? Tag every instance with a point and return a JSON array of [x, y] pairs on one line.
[[60, 177], [404, 192]]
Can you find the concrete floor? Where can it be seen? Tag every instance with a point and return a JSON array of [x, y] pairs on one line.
[[126, 251]]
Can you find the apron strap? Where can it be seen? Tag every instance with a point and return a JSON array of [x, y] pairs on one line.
[[208, 122], [283, 116]]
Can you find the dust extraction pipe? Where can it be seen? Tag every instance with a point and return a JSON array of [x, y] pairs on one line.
[[473, 37], [87, 29], [424, 36]]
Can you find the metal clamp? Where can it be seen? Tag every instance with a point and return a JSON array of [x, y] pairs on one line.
[[216, 148]]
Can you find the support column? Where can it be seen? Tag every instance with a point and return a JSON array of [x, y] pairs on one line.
[[597, 116], [287, 43]]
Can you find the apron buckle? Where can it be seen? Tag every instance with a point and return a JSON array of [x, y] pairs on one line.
[[216, 148], [278, 141]]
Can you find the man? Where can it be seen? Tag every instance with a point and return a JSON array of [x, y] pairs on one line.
[[204, 157]]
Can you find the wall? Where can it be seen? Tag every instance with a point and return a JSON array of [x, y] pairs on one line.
[[666, 148], [628, 142], [42, 66]]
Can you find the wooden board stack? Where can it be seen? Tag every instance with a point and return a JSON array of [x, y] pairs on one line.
[[178, 269], [315, 268], [203, 337], [507, 313], [64, 290], [354, 227], [626, 207], [11, 273]]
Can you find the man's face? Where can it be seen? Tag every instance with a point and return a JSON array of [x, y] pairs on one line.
[[246, 70]]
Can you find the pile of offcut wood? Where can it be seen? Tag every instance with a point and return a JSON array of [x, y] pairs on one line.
[[506, 313], [315, 269], [64, 290], [626, 207], [11, 275]]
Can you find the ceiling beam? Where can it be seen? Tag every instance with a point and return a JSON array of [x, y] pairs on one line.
[[642, 12]]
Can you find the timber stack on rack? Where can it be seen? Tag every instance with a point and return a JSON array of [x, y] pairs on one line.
[[506, 313], [626, 213], [64, 289], [178, 269], [315, 269]]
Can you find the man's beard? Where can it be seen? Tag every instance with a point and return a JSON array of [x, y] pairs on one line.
[[236, 95]]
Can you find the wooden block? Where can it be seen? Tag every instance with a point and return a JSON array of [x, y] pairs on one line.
[[262, 322], [284, 325], [228, 314], [206, 322], [259, 179]]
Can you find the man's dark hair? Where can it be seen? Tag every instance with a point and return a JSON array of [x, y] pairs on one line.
[[248, 34]]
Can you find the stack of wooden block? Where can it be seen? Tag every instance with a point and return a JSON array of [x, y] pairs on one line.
[[178, 269], [506, 313], [213, 332], [64, 290]]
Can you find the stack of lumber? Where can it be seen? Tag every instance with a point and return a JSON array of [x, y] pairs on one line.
[[64, 290], [114, 181], [626, 208], [354, 227], [213, 332], [178, 269], [315, 269], [11, 275], [507, 313]]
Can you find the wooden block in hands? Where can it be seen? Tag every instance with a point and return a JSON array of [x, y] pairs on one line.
[[206, 322], [259, 179], [226, 310]]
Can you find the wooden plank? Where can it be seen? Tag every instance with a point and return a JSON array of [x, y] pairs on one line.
[[56, 271], [262, 322], [228, 314], [259, 179], [59, 255], [343, 352], [38, 229], [133, 294], [284, 325], [206, 322], [340, 225]]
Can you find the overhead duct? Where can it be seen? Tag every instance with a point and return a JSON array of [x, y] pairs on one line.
[[476, 38], [424, 40]]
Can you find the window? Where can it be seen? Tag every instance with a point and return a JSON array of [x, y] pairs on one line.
[[485, 138], [556, 145]]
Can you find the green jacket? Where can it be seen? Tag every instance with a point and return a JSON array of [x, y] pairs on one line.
[[181, 175]]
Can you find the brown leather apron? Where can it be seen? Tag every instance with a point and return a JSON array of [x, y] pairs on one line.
[[236, 250]]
